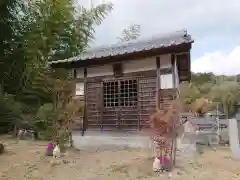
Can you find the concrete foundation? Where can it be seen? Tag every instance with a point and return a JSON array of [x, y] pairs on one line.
[[99, 139], [103, 140]]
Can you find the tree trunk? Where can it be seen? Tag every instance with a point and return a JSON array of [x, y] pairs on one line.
[[1, 148], [15, 131], [71, 143]]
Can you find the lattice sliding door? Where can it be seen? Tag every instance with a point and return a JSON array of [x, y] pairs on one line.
[[93, 105]]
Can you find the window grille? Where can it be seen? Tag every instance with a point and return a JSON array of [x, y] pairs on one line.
[[120, 93], [110, 91]]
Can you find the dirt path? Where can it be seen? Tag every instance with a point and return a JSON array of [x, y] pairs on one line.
[[25, 161]]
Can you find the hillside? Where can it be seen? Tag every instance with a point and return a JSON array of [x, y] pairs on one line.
[[222, 90]]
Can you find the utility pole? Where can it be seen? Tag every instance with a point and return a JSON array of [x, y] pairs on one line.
[[218, 123], [217, 118], [90, 4]]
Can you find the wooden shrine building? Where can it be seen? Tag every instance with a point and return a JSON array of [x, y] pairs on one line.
[[119, 82]]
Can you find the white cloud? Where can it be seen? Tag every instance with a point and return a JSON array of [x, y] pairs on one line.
[[202, 18], [214, 25], [218, 62]]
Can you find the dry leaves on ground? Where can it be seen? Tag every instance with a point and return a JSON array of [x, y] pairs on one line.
[[26, 160]]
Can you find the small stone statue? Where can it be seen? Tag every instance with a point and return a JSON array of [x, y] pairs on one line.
[[156, 165], [56, 151]]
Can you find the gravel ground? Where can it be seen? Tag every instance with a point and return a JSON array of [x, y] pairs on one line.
[[26, 161]]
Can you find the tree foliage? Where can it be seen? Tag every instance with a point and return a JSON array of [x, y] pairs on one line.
[[133, 32], [221, 90], [32, 34]]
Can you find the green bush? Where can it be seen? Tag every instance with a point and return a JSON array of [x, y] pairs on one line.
[[10, 112]]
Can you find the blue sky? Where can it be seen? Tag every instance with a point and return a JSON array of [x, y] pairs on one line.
[[213, 24]]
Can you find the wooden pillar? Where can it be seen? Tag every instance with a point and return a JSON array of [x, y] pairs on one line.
[[75, 77], [74, 73], [189, 66], [173, 62], [176, 141], [101, 105], [158, 85], [119, 108], [138, 105], [85, 103]]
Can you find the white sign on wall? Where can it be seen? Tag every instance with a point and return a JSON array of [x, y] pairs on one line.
[[166, 81], [80, 89]]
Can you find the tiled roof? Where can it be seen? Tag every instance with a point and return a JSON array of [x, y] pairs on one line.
[[167, 40]]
